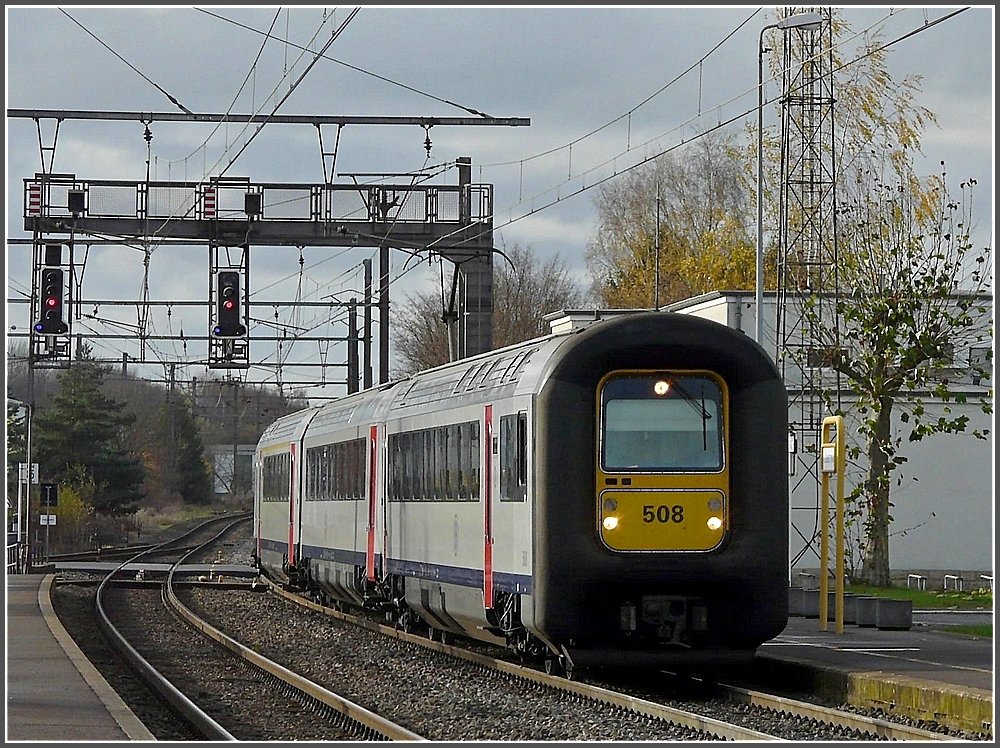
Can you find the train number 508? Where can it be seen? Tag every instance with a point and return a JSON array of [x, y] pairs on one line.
[[662, 513]]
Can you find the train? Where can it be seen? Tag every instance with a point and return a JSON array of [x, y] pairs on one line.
[[614, 494]]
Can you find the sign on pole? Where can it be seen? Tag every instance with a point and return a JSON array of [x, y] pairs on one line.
[[47, 519], [22, 472], [50, 494]]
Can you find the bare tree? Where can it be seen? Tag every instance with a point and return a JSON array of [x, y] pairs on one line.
[[525, 289], [916, 299], [705, 243]]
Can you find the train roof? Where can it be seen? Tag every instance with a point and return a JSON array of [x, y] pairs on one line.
[[518, 369]]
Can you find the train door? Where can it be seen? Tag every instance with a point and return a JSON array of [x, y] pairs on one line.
[[488, 452], [296, 478], [292, 503], [258, 492], [371, 572]]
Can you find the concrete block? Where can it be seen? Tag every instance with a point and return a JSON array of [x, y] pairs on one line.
[[894, 615], [810, 603], [850, 608], [864, 610], [795, 595]]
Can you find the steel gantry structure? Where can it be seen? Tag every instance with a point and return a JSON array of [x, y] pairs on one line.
[[233, 214]]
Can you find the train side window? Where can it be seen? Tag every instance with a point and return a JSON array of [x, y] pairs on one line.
[[513, 457], [407, 443], [464, 460], [329, 472], [362, 452], [475, 456], [522, 454], [421, 442], [450, 462], [507, 456], [394, 468]]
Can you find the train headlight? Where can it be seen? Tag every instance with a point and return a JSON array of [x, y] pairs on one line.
[[714, 523], [662, 387], [610, 523]]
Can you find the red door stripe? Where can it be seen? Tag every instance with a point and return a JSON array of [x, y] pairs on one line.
[[488, 509], [291, 505], [372, 485]]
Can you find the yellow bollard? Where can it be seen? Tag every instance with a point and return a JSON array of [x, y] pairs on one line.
[[832, 460]]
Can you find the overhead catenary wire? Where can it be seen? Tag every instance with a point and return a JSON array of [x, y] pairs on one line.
[[260, 127], [586, 187], [229, 109], [383, 78], [703, 133], [631, 111], [145, 77]]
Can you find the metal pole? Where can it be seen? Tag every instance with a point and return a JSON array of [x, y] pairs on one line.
[[27, 451], [352, 347], [832, 463], [367, 363], [824, 547], [841, 470], [656, 244], [383, 314], [759, 283], [20, 517], [232, 484]]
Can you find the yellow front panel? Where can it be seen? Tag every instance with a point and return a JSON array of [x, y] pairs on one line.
[[678, 520]]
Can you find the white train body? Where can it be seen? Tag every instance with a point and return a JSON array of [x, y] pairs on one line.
[[464, 498]]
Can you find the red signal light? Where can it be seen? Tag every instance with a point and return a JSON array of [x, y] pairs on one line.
[[50, 321], [228, 323]]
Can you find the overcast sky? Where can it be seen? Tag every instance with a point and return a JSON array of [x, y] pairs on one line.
[[571, 70]]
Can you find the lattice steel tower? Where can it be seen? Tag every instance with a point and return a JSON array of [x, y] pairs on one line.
[[807, 261]]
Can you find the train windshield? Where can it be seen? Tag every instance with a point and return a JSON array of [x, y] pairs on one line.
[[662, 422]]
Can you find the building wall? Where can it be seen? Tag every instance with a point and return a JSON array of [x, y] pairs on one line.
[[943, 507]]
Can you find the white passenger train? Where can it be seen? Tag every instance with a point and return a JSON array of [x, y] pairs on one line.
[[615, 494]]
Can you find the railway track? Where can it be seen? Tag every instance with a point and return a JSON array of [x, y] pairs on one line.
[[417, 685], [223, 690], [773, 717]]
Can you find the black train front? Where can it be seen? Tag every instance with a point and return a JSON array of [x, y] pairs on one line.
[[661, 529]]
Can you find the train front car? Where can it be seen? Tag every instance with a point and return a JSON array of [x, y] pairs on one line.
[[277, 479], [662, 510]]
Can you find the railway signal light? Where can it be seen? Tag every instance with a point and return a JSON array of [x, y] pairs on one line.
[[51, 314], [228, 302]]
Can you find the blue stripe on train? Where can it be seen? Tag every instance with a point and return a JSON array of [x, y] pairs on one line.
[[457, 575]]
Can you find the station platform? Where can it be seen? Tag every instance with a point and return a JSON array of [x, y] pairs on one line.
[[924, 672], [54, 693], [210, 571]]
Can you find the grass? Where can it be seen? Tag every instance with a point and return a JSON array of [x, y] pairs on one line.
[[930, 600], [982, 631]]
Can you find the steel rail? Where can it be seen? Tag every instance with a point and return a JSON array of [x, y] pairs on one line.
[[359, 714], [679, 717], [871, 725], [187, 709]]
